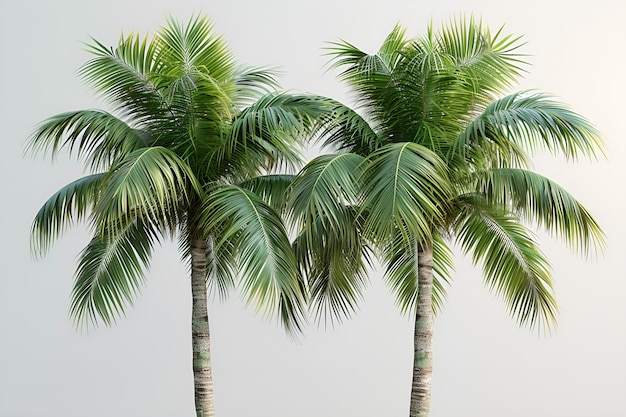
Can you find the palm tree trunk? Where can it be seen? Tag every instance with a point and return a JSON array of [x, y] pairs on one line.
[[423, 353], [200, 336]]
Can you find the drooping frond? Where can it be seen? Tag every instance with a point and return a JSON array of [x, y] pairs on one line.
[[335, 265], [151, 183], [95, 136], [270, 275], [543, 201], [271, 188], [252, 83], [367, 75], [513, 266], [405, 188], [324, 190], [64, 208], [268, 131], [533, 122], [110, 273], [329, 247], [346, 130]]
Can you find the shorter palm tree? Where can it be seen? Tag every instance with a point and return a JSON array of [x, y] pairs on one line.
[[437, 156], [188, 142]]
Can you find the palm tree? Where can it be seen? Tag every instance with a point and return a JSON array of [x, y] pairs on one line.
[[184, 152], [438, 155]]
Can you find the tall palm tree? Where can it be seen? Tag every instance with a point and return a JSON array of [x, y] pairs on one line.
[[436, 154], [183, 153]]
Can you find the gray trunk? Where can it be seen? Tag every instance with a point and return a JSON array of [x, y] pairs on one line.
[[423, 353], [200, 336]]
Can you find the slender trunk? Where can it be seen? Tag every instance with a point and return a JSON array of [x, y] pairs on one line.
[[200, 336], [423, 338]]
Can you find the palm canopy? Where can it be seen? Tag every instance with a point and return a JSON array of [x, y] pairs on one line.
[[188, 129], [443, 156]]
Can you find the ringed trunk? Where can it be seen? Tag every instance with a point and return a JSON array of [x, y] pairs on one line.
[[423, 337], [200, 336]]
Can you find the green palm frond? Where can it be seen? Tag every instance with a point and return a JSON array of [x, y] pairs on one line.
[[64, 208], [546, 203], [110, 273], [329, 247], [532, 121], [405, 187], [346, 130], [335, 265], [124, 77], [270, 275], [273, 189], [513, 266], [390, 52], [367, 75], [151, 183], [324, 190], [96, 137], [488, 62], [195, 45], [252, 83], [272, 125]]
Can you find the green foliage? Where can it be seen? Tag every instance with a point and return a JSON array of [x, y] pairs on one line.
[[446, 159], [187, 125]]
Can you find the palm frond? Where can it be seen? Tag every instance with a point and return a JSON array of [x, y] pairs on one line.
[[335, 266], [367, 75], [532, 121], [252, 83], [346, 130], [95, 136], [513, 266], [271, 188], [546, 203], [67, 206], [406, 188], [151, 184], [271, 127], [195, 45], [110, 273], [270, 275], [125, 77], [324, 190], [488, 62]]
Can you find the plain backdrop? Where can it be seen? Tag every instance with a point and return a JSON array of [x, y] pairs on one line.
[[484, 366]]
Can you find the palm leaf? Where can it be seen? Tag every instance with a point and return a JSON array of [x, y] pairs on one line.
[[126, 77], [270, 275], [513, 265], [271, 188], [97, 137], [67, 206], [346, 130], [406, 188], [110, 273], [534, 122], [151, 183], [545, 202], [324, 190], [334, 265], [195, 45], [488, 62]]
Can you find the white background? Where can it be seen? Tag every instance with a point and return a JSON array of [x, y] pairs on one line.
[[485, 366]]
